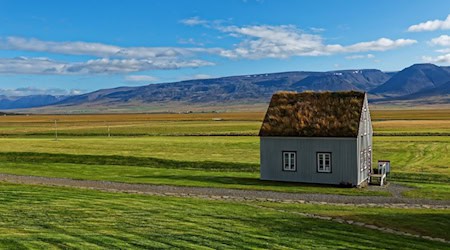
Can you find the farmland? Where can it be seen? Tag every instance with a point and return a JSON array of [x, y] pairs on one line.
[[219, 150], [386, 122]]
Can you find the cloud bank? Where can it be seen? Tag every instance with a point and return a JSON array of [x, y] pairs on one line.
[[24, 65], [442, 41], [253, 42], [431, 25], [284, 41]]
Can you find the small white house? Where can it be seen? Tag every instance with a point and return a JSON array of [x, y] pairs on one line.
[[317, 137]]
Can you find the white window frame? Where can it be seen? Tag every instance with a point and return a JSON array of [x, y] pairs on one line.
[[322, 166], [290, 161]]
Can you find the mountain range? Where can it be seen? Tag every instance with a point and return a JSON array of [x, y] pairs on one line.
[[30, 101], [419, 83]]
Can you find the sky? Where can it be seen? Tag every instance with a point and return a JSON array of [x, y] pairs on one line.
[[72, 47]]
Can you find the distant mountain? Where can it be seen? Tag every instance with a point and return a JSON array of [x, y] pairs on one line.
[[28, 101], [92, 96], [418, 77], [426, 82], [362, 80], [438, 95], [247, 88], [442, 90]]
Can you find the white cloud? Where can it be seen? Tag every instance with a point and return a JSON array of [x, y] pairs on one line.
[[438, 59], [25, 91], [284, 41], [381, 44], [447, 50], [72, 48], [254, 42], [190, 41], [140, 78], [192, 21], [443, 40], [264, 41], [95, 49], [431, 25], [369, 56], [23, 65]]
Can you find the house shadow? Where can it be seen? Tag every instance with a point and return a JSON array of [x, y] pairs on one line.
[[150, 162], [232, 180]]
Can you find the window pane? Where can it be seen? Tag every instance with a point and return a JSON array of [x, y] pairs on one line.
[[289, 161], [319, 162]]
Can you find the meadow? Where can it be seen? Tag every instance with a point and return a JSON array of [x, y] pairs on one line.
[[203, 150], [64, 218]]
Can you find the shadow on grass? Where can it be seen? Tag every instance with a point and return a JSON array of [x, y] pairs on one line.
[[32, 157], [245, 181], [430, 224], [419, 177]]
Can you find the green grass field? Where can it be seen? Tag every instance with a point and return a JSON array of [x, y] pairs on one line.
[[212, 161], [46, 218], [182, 150]]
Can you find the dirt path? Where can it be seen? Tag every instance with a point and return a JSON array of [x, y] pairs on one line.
[[230, 194]]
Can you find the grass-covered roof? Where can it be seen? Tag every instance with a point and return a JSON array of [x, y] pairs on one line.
[[313, 114]]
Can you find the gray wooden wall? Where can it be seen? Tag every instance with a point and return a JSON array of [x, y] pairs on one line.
[[344, 159]]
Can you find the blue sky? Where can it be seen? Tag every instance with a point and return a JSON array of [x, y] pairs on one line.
[[62, 47]]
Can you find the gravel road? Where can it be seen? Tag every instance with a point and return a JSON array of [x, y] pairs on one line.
[[232, 194]]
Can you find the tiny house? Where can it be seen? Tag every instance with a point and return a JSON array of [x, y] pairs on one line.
[[317, 137]]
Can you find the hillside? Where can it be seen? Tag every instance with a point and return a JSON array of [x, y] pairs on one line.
[[418, 84], [437, 95], [413, 79], [235, 88], [362, 80]]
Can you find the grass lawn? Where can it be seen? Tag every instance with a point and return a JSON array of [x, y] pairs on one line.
[[431, 222], [44, 217], [229, 161], [416, 154]]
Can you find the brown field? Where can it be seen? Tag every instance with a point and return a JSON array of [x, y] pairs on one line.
[[385, 122], [410, 114], [377, 114], [230, 116]]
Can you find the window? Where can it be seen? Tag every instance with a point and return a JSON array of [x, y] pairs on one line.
[[289, 161], [324, 162]]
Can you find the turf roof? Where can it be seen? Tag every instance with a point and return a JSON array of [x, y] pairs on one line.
[[313, 114]]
